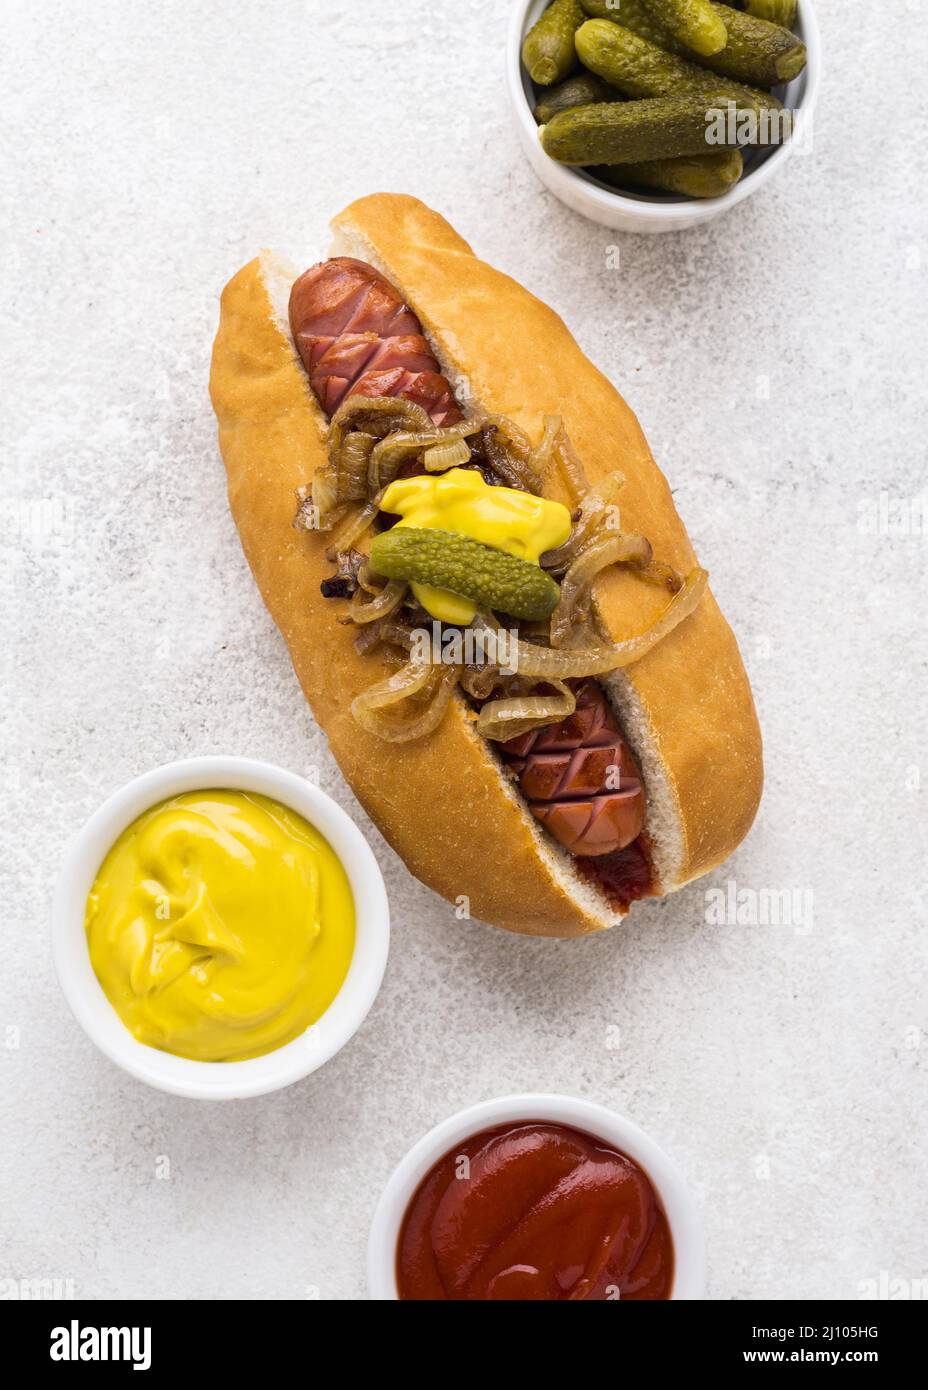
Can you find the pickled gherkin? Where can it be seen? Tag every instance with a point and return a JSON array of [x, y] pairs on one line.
[[639, 68], [631, 132], [548, 51], [776, 11], [491, 578], [692, 22], [580, 90], [757, 53], [695, 176], [632, 14]]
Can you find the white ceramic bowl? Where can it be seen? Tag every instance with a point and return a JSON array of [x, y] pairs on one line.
[[220, 1080], [682, 1213], [655, 212]]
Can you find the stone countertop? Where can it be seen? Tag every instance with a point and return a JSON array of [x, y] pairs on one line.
[[776, 359]]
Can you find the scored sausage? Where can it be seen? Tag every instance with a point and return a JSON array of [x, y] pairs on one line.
[[580, 779], [357, 337]]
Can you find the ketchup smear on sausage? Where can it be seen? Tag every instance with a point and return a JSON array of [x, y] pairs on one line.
[[534, 1211]]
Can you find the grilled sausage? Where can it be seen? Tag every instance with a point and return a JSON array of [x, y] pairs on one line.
[[580, 778], [356, 336]]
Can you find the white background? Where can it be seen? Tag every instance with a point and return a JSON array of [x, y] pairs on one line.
[[777, 361]]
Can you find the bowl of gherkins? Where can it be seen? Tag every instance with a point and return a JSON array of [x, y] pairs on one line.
[[654, 115]]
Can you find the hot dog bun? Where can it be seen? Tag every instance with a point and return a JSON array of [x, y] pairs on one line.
[[444, 803]]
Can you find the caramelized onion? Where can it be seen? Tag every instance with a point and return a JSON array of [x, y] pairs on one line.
[[480, 681], [356, 525], [352, 466], [615, 549], [389, 454], [571, 468], [508, 433], [509, 453], [413, 676], [593, 512], [516, 715], [366, 578], [550, 664], [354, 428], [376, 415], [387, 630], [453, 453], [664, 575], [543, 452], [434, 683], [369, 610], [318, 508]]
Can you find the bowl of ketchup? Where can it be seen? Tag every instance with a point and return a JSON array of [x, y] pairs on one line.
[[536, 1198]]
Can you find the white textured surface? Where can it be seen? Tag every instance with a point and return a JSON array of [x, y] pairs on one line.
[[777, 361]]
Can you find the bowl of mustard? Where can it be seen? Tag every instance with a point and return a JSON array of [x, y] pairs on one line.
[[220, 928]]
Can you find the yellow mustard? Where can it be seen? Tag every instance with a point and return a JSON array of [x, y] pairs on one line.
[[220, 925], [460, 501]]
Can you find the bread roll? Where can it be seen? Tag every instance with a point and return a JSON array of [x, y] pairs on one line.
[[444, 802]]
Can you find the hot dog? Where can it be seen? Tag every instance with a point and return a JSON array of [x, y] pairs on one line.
[[619, 756], [357, 337]]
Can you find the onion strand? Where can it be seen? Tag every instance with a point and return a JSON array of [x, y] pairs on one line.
[[572, 469], [549, 663], [509, 452], [387, 601], [435, 683], [388, 630], [593, 512], [357, 524], [451, 453], [620, 549], [516, 715], [543, 452], [391, 453]]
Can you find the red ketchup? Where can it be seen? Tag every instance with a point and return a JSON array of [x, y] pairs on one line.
[[534, 1211]]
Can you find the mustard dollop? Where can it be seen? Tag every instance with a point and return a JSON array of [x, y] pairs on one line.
[[460, 501], [220, 925]]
